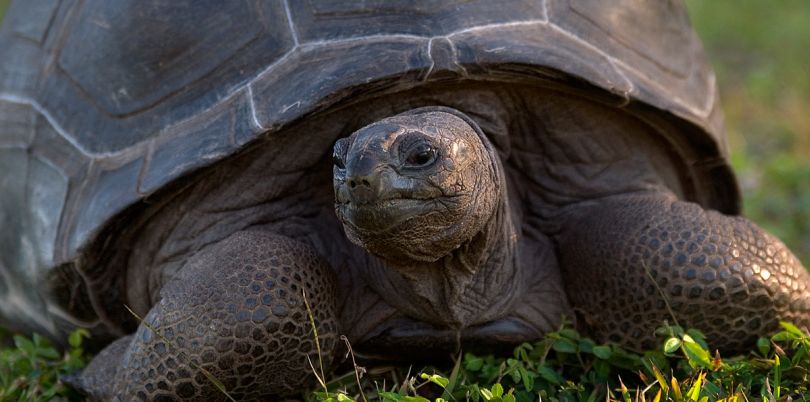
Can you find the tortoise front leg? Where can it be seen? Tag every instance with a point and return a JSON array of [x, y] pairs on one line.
[[235, 311], [625, 257]]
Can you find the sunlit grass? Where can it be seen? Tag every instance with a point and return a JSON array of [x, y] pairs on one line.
[[565, 366]]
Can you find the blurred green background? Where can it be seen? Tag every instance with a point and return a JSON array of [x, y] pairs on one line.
[[761, 53]]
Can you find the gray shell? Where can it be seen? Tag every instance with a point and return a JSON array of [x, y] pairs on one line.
[[103, 103]]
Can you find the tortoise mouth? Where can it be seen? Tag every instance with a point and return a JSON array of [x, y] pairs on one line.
[[383, 215]]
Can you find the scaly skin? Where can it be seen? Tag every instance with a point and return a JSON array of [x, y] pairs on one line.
[[626, 257], [236, 311]]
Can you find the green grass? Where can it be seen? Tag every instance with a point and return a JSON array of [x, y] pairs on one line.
[[565, 366], [32, 370]]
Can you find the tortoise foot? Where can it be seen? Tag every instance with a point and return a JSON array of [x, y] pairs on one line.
[[630, 262], [234, 316], [96, 380]]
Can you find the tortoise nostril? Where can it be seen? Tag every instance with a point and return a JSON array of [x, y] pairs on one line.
[[362, 181], [363, 189]]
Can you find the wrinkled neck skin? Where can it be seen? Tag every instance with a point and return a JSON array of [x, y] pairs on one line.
[[473, 284]]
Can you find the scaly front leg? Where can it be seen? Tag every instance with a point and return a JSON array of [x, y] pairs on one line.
[[236, 310], [625, 257]]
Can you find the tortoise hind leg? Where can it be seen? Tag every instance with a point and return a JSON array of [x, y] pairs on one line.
[[236, 312], [625, 257]]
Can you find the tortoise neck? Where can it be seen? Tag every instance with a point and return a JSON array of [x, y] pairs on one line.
[[475, 283]]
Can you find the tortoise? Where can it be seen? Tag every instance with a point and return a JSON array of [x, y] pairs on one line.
[[421, 176]]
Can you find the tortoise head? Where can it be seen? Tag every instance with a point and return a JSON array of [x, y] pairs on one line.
[[415, 186]]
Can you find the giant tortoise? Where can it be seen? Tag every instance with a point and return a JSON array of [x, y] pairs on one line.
[[423, 175]]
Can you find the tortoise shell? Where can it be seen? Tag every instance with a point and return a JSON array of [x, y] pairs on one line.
[[104, 103]]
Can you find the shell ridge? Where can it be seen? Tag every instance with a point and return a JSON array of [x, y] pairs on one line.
[[700, 112], [430, 57], [291, 23], [703, 113], [369, 38], [625, 93], [454, 52], [545, 7], [497, 25], [442, 60], [252, 106], [51, 120]]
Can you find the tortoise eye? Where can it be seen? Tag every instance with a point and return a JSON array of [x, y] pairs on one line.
[[338, 161], [339, 153], [421, 155]]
